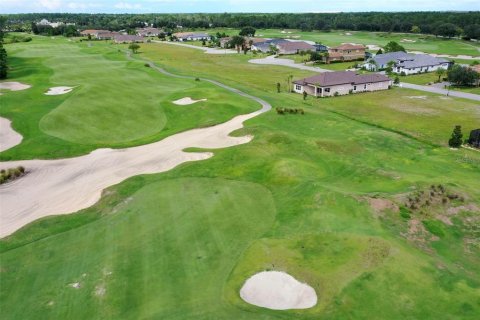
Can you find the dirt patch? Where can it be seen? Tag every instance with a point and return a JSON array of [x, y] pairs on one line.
[[100, 290], [75, 285], [278, 291], [14, 86], [186, 101], [380, 205]]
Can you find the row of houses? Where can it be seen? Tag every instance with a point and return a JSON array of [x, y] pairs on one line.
[[191, 36]]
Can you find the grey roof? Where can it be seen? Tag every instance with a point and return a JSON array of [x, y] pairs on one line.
[[408, 60], [342, 77]]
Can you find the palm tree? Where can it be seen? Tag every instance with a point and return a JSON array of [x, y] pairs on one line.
[[440, 73]]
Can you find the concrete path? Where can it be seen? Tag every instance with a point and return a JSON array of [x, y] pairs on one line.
[[205, 49], [63, 186], [451, 93], [271, 60]]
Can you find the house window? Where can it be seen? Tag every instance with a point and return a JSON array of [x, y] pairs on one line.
[[298, 87], [364, 86], [327, 89], [354, 87]]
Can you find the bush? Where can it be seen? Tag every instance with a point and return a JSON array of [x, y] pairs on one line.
[[147, 65], [197, 79], [11, 174], [435, 227]]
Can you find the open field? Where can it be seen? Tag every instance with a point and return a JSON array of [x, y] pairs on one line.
[[320, 196], [425, 43]]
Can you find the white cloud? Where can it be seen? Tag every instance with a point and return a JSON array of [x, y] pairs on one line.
[[128, 6]]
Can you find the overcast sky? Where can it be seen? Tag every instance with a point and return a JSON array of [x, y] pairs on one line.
[[180, 6]]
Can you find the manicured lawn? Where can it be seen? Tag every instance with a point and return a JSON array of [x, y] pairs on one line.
[[179, 245], [115, 103], [338, 66]]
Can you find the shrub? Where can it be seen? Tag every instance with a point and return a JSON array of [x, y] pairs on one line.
[[197, 79], [336, 94], [147, 65]]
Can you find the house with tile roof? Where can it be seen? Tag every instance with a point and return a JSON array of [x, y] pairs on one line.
[[407, 63], [346, 52], [340, 83], [290, 47]]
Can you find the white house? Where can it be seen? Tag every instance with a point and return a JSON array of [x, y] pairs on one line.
[[407, 63], [191, 36]]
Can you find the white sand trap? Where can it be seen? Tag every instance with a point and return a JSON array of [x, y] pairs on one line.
[[14, 86], [8, 137], [55, 91], [186, 101], [278, 291], [63, 186]]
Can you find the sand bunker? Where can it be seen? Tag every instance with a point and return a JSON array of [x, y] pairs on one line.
[[54, 91], [14, 86], [8, 137], [64, 186], [186, 101], [277, 291]]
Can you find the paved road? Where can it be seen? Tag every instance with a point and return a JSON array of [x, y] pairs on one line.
[[451, 93], [205, 49], [271, 60]]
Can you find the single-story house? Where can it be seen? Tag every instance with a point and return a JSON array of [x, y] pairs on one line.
[[266, 46], [346, 52], [92, 32], [408, 63], [127, 38], [191, 36], [106, 35], [289, 47], [148, 32], [320, 47], [474, 139], [340, 83]]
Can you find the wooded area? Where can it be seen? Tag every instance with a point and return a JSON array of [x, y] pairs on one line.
[[448, 24]]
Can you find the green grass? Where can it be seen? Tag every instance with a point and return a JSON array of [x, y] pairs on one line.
[[180, 244], [431, 77], [115, 103], [338, 66]]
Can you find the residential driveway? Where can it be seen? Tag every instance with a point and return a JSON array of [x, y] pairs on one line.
[[450, 93], [271, 60], [205, 49]]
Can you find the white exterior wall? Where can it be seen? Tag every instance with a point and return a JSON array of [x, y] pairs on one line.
[[344, 89], [421, 70]]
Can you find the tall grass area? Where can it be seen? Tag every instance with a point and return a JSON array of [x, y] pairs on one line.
[[180, 244]]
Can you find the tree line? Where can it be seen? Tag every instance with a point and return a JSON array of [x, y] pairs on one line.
[[3, 52], [447, 24]]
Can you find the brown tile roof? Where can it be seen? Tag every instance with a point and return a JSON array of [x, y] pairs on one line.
[[342, 77], [128, 38], [300, 45], [349, 46]]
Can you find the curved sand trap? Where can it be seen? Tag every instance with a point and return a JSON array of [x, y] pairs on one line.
[[8, 137], [55, 91], [14, 86], [186, 101], [278, 291], [64, 186]]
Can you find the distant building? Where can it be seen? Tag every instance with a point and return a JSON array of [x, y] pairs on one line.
[[108, 35], [289, 47], [127, 38], [148, 32], [474, 139], [340, 83], [346, 52], [408, 63], [191, 36], [92, 32], [320, 47], [45, 22]]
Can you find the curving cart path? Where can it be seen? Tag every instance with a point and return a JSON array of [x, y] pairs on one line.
[[64, 186]]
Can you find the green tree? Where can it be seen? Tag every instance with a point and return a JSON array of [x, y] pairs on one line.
[[396, 80], [440, 72], [247, 32], [393, 46], [446, 30], [380, 51], [415, 29], [238, 42], [472, 31], [3, 52], [278, 87], [462, 76], [305, 94], [134, 47], [456, 139]]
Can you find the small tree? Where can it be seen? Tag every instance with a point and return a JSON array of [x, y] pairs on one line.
[[247, 32], [305, 94], [134, 47], [278, 87], [440, 72], [456, 138], [204, 43], [393, 46], [396, 80], [379, 51], [416, 29]]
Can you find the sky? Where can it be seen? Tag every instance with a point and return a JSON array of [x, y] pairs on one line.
[[191, 6]]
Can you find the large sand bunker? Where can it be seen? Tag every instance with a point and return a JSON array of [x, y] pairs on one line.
[[186, 101], [14, 86], [8, 137], [64, 186], [278, 291], [55, 91]]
